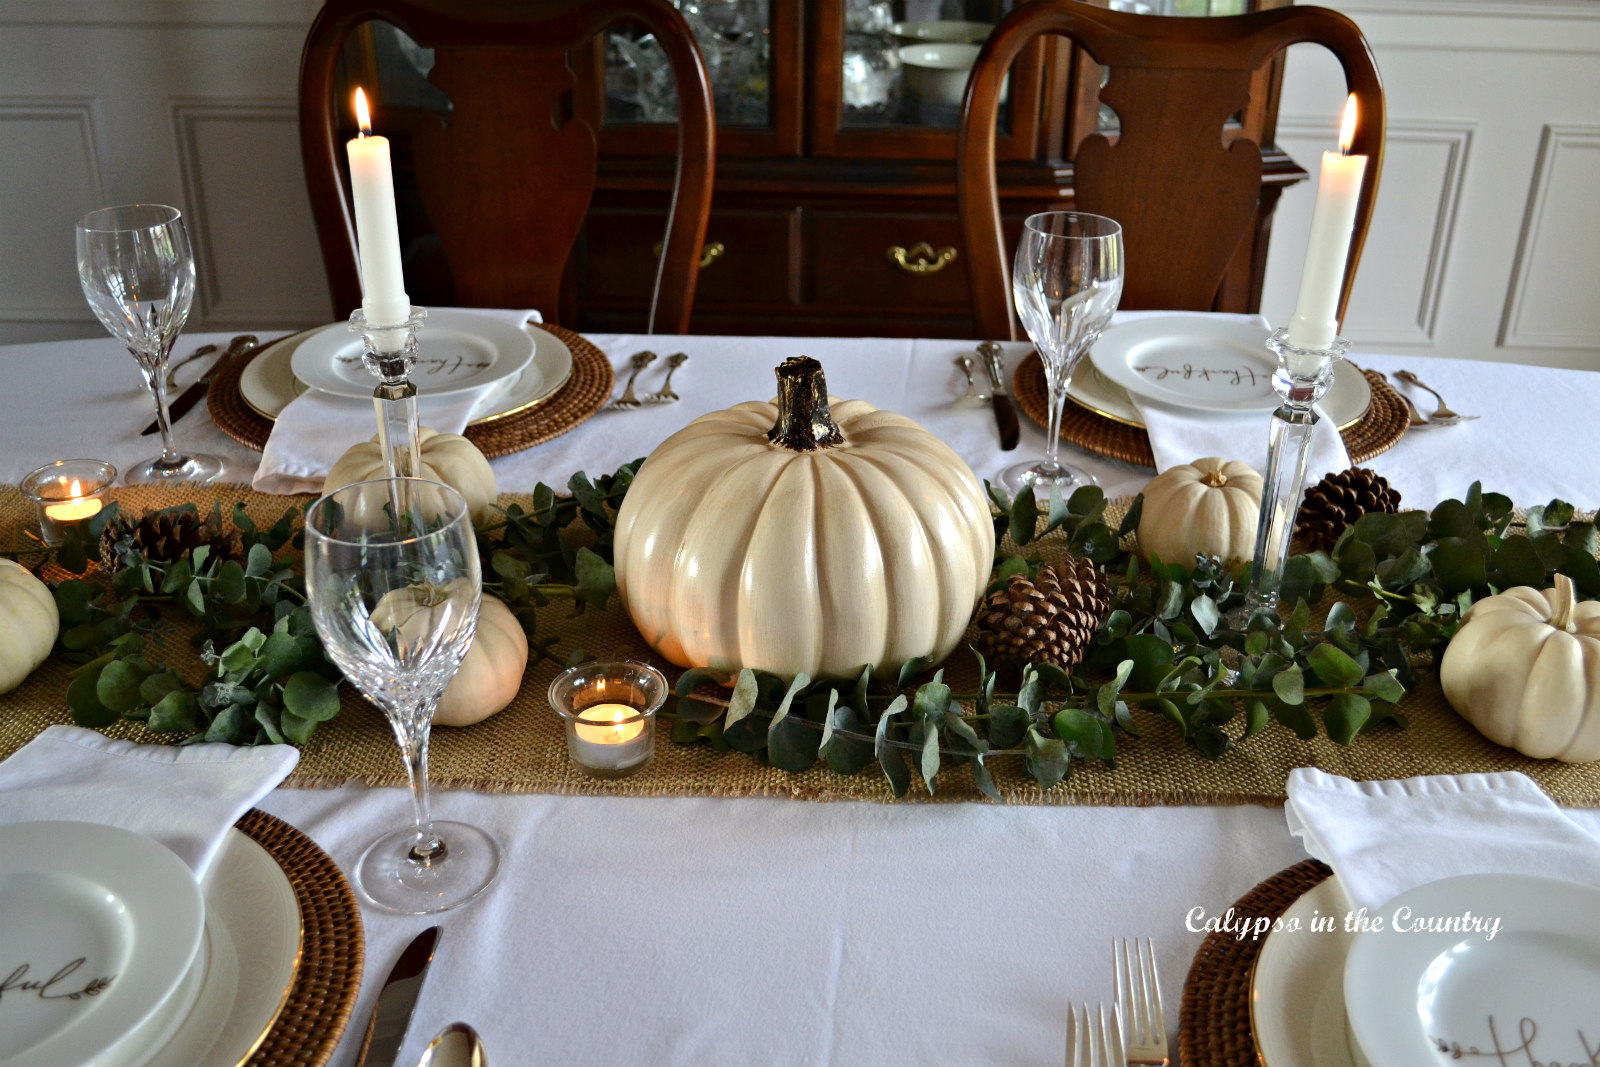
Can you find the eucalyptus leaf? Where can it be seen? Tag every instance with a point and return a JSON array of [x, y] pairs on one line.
[[1007, 725], [1334, 667], [117, 688], [1024, 518], [929, 764], [1046, 758], [984, 780], [1289, 686], [311, 697], [1346, 714], [176, 713], [84, 702]]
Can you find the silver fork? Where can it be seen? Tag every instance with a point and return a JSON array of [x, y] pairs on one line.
[[665, 395], [1443, 416], [972, 392], [172, 371], [1094, 1042], [1415, 417], [1139, 1001], [639, 362]]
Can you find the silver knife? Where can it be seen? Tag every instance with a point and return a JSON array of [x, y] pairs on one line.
[[391, 1017], [1005, 413]]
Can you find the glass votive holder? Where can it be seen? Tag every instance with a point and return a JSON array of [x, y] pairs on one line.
[[610, 712], [67, 492]]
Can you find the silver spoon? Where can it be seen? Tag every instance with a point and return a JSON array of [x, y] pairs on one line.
[[1443, 414], [172, 371], [972, 387], [457, 1045], [1415, 418]]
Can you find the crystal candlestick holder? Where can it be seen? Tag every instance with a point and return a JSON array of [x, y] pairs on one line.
[[1302, 377], [391, 352]]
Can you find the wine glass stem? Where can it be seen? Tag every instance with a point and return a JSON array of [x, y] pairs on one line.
[[414, 750], [155, 379], [1056, 380]]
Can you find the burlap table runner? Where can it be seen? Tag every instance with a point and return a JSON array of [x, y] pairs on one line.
[[523, 748]]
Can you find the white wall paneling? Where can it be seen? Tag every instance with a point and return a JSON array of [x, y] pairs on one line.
[[186, 102], [50, 174], [1554, 300], [240, 164]]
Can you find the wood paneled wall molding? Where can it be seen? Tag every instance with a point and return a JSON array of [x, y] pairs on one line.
[[50, 168], [1551, 303]]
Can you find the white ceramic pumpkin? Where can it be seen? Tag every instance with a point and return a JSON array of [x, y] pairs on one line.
[[446, 457], [491, 673], [1206, 508], [792, 537], [1524, 668], [29, 623]]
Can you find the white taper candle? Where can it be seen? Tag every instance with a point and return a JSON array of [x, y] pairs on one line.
[[383, 284]]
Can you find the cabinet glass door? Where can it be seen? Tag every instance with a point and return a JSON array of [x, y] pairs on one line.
[[735, 38]]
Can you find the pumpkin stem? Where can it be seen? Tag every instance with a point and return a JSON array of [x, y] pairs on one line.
[[1566, 598], [804, 424], [1215, 479]]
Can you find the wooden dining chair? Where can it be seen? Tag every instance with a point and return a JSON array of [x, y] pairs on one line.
[[1185, 186], [506, 176]]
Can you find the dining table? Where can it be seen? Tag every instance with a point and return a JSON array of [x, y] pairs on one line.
[[769, 930]]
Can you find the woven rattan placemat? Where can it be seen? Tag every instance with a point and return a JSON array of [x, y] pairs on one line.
[[332, 949], [585, 393], [1214, 1019], [523, 748], [1379, 430]]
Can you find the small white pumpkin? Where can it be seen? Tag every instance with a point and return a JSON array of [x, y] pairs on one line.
[[491, 673], [29, 623], [789, 537], [1524, 668], [446, 457], [1206, 508]]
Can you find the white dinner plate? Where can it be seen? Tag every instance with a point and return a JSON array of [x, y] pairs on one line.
[[268, 381], [253, 925], [1191, 361], [1297, 987], [1530, 989], [107, 923], [457, 351], [1346, 401]]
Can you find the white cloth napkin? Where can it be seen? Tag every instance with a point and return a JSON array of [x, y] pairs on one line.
[[1383, 838], [1180, 435], [316, 428], [185, 797]]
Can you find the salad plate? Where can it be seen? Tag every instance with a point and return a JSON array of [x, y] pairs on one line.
[[1489, 968], [457, 352], [99, 932], [1192, 361]]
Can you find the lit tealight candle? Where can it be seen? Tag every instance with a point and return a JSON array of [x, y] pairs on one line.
[[1316, 313], [615, 728], [610, 711], [68, 492], [76, 508]]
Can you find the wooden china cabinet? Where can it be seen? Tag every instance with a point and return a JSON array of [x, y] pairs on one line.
[[835, 204]]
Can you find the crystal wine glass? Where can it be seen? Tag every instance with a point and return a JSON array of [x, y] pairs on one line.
[[1066, 282], [137, 271], [393, 580]]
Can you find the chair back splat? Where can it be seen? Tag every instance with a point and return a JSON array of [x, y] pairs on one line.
[[506, 178], [1185, 185]]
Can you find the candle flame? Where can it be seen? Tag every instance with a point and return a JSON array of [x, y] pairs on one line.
[[363, 116], [77, 491], [1347, 129]]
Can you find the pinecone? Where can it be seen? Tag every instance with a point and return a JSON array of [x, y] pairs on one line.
[[1050, 620], [1337, 501], [167, 536]]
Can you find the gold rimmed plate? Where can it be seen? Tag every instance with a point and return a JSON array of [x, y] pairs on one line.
[[268, 383], [1346, 402]]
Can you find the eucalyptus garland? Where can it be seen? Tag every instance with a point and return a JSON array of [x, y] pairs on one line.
[[1173, 644], [268, 679]]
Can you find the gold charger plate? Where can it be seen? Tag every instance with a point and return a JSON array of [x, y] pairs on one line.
[[332, 949]]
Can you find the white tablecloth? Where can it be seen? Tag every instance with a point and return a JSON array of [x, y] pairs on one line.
[[702, 931]]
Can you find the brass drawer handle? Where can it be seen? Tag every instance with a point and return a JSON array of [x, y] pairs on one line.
[[708, 255], [922, 259]]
